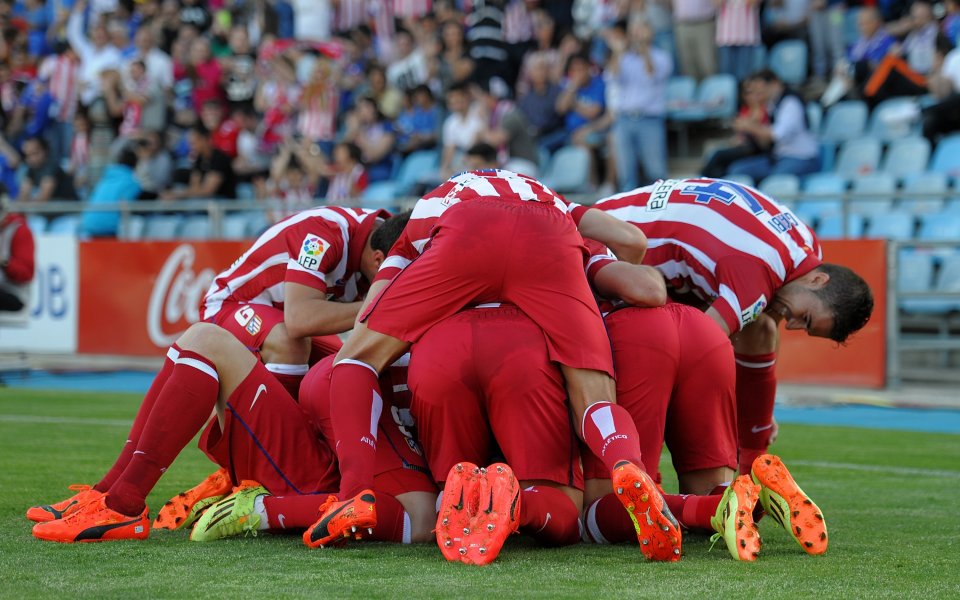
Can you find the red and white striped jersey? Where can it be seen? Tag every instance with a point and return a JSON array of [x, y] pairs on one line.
[[319, 248], [486, 183], [724, 241]]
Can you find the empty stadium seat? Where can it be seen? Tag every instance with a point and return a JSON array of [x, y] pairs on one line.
[[873, 193], [946, 157], [940, 226], [162, 227], [895, 225], [681, 93], [195, 228], [788, 59], [814, 116], [380, 194], [906, 157], [37, 223], [131, 229], [924, 193], [858, 157], [844, 121], [716, 98], [914, 274], [830, 227], [64, 225], [946, 279], [894, 118], [782, 187], [234, 226], [822, 197], [568, 171], [416, 167]]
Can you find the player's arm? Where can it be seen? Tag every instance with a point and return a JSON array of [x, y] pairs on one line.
[[638, 285], [626, 241], [714, 314], [307, 312]]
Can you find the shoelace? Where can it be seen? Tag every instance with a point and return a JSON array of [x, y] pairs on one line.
[[714, 539]]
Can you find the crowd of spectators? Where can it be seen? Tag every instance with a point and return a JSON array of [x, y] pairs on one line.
[[108, 100]]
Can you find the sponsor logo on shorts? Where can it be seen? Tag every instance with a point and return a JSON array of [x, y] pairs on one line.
[[752, 312], [244, 315], [253, 327], [312, 251]]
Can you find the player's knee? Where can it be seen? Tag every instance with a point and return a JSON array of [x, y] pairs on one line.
[[203, 338]]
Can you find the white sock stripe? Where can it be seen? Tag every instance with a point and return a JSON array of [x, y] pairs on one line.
[[284, 369], [173, 354], [407, 533], [375, 409], [439, 501], [755, 365], [400, 387], [200, 366], [592, 528], [403, 361], [603, 420], [359, 363], [590, 408]]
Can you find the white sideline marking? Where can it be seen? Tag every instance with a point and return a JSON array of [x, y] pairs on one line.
[[63, 420], [876, 468]]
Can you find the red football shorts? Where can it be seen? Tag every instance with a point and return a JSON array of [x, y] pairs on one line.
[[400, 465], [249, 323], [677, 379], [484, 386], [489, 250], [268, 438]]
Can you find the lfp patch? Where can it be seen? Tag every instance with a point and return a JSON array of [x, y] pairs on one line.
[[753, 312], [312, 251]]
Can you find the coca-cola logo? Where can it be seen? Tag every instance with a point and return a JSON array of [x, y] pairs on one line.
[[175, 299]]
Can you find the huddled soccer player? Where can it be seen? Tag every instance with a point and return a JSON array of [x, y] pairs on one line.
[[526, 355]]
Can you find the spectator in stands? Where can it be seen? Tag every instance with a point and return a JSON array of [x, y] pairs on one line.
[[409, 67], [96, 53], [825, 31], [317, 118], [581, 102], [742, 145], [43, 180], [205, 73], [417, 126], [791, 146], [294, 176], [17, 260], [9, 162], [158, 63], [546, 52], [31, 115], [639, 72], [373, 133], [252, 164], [481, 156], [194, 14], [118, 184], [785, 20], [154, 167], [61, 70], [78, 163], [211, 174], [239, 68], [539, 103], [454, 63], [388, 98], [223, 129], [461, 129], [944, 116], [506, 128], [695, 34], [920, 44], [485, 40], [950, 26], [738, 37], [276, 99], [346, 175]]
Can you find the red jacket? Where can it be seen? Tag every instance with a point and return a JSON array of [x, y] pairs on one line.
[[20, 256]]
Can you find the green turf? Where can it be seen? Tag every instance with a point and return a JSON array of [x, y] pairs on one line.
[[892, 535]]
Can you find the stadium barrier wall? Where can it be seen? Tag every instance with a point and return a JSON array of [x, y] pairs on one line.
[[861, 362], [135, 298]]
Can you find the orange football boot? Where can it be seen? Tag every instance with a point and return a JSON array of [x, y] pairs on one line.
[[186, 507], [789, 505], [51, 512], [94, 522], [733, 521], [341, 520], [657, 530]]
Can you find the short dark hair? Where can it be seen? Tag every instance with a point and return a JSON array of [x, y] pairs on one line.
[[384, 237], [849, 297], [127, 157], [353, 150], [764, 75], [485, 152], [581, 56], [40, 141], [200, 129]]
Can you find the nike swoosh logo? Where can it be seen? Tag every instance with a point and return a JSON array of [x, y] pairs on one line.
[[756, 429], [545, 523], [280, 518], [256, 396], [95, 533]]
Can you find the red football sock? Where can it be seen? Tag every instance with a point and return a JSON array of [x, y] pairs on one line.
[[182, 409], [692, 511], [393, 523], [611, 434], [289, 376], [607, 522], [549, 516], [138, 422], [293, 512], [756, 392], [355, 405]]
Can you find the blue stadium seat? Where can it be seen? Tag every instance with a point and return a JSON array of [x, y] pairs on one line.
[[568, 171], [718, 96], [133, 228], [37, 223], [858, 157], [895, 225], [783, 188], [940, 226], [822, 197], [946, 279], [906, 157], [788, 59], [681, 91], [245, 191], [195, 228], [844, 121], [415, 168], [873, 193], [830, 227], [930, 190], [65, 225], [234, 226], [914, 274], [851, 32], [891, 119], [162, 227], [257, 223], [946, 157], [380, 194], [814, 116]]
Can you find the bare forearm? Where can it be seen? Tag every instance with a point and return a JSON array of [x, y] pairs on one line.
[[312, 317]]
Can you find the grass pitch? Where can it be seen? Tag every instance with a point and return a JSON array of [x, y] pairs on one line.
[[890, 499]]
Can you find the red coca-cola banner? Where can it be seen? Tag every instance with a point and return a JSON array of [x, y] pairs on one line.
[[136, 298]]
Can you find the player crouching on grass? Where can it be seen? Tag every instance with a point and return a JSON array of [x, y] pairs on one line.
[[259, 433]]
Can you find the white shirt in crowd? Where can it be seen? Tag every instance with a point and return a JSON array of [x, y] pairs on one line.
[[93, 60], [791, 136]]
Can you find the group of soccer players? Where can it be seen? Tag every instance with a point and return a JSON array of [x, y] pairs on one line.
[[526, 355]]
